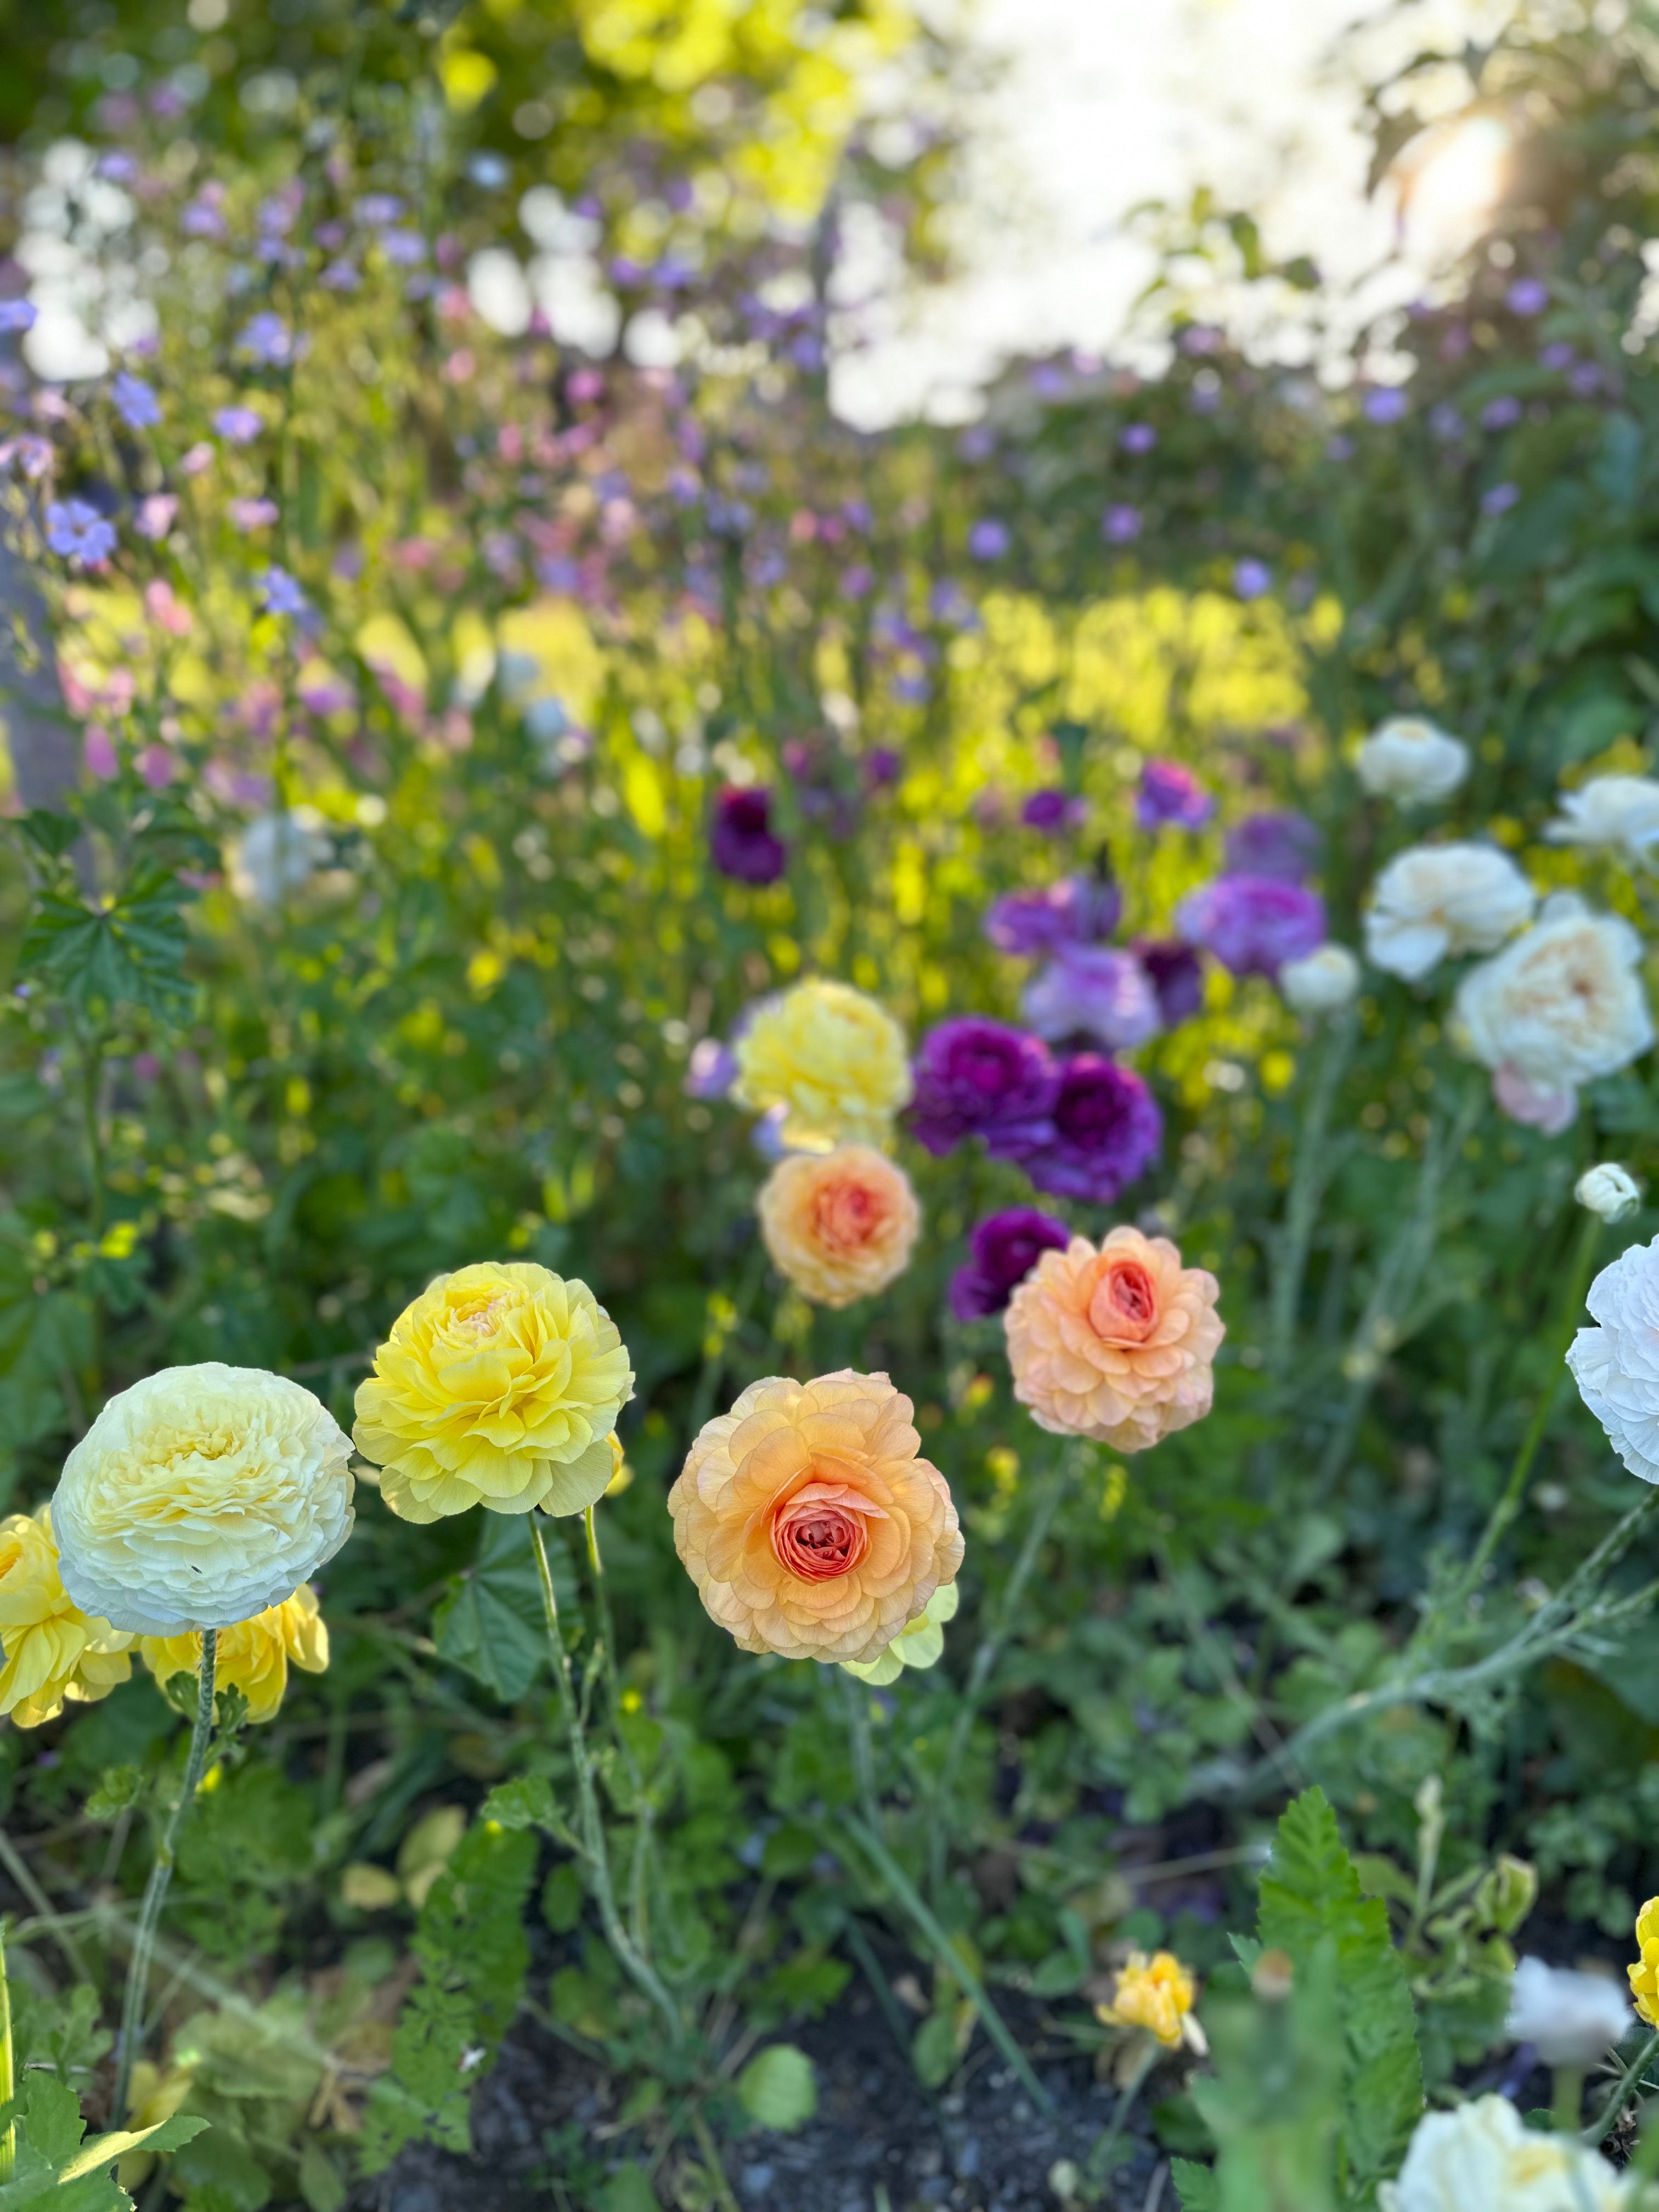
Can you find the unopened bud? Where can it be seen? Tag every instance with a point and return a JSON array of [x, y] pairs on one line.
[[1608, 1190], [1274, 1976]]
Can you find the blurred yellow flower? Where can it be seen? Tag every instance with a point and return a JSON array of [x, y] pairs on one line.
[[841, 1225], [1644, 1974], [498, 1387], [921, 1645], [832, 1059], [54, 1653], [253, 1656], [152, 2097], [1155, 1994]]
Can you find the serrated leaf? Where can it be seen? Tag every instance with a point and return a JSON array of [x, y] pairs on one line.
[[526, 1802], [1195, 2187], [778, 2089], [103, 2150], [130, 952], [491, 1623]]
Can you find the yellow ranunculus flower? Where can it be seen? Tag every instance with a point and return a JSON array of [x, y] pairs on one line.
[[252, 1656], [53, 1652], [498, 1387], [1644, 1974], [1155, 1994], [833, 1060]]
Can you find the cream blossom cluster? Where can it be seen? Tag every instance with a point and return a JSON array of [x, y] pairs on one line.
[[1616, 1364], [1613, 813], [1482, 2157], [1412, 760], [1433, 902]]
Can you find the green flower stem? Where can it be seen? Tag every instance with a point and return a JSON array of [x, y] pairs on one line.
[[639, 1883], [1569, 2100], [711, 2158], [7, 2071], [1601, 2126], [1309, 1174], [137, 1989], [590, 1822], [866, 1832]]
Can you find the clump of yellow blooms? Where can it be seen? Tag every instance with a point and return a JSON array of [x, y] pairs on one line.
[[1644, 1974], [832, 1059], [54, 1654], [254, 1655], [1155, 1994]]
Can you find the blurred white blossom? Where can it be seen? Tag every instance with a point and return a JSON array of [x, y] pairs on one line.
[[1322, 981], [1616, 1366], [278, 853], [1569, 2019], [1412, 760], [1620, 813], [1561, 1006], [1433, 900], [1482, 2158]]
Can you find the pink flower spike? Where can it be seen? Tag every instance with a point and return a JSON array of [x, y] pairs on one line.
[[98, 751]]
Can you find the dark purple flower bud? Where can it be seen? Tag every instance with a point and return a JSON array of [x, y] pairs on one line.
[[1052, 810], [1103, 1131], [1077, 910], [1171, 793], [741, 843], [1282, 845], [882, 766], [1090, 990], [974, 1077], [1177, 974], [1006, 1247], [1252, 924]]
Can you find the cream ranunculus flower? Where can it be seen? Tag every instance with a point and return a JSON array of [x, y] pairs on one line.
[[833, 1060], [1322, 981], [1436, 901], [199, 1496], [499, 1386], [810, 1523], [1569, 2019], [253, 1656], [54, 1654], [1563, 1004], [841, 1225], [1409, 759], [1608, 1191], [1483, 2158], [1620, 813], [1616, 1366]]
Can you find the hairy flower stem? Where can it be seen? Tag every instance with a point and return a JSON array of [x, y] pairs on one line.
[[7, 2071], [1061, 1478], [590, 1820], [1607, 2118], [1309, 1175], [161, 1875], [645, 1812], [948, 1955]]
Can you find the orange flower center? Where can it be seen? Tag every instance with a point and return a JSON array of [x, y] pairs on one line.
[[846, 1215], [1123, 1309], [817, 1538]]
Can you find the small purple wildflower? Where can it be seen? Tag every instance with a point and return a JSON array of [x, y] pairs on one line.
[[1137, 437], [741, 842], [1005, 1248], [17, 315], [1502, 413], [266, 341], [239, 426], [712, 1070], [1446, 423], [1528, 295], [281, 593], [989, 539], [1283, 845], [78, 533], [135, 402], [1390, 404], [1171, 794], [977, 1077], [1252, 580], [1500, 499], [1121, 525], [1252, 924]]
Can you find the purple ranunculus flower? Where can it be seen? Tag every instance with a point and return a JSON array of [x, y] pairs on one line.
[[1077, 910], [741, 843], [1285, 845], [1171, 793], [1103, 1131], [1006, 1247], [1052, 809], [977, 1077], [1176, 974], [1091, 990], [1252, 924]]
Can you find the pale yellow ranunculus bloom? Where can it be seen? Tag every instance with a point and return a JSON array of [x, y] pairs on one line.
[[254, 1655], [832, 1058]]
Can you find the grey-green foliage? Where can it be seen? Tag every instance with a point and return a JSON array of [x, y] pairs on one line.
[[1316, 2094]]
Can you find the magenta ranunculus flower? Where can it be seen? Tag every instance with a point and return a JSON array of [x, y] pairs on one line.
[[1170, 794], [1285, 845], [976, 1078], [1104, 1130], [1005, 1248], [740, 842], [1077, 910], [1252, 924], [1052, 809], [1176, 974], [1092, 990]]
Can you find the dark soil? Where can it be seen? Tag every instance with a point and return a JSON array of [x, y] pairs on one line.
[[878, 2144]]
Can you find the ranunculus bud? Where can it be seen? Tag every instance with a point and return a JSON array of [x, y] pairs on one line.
[[1322, 981], [1608, 1190]]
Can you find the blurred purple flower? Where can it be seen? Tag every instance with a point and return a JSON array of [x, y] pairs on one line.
[[252, 514], [1006, 1247], [156, 514], [1077, 910], [1446, 423], [1252, 924], [881, 768], [1338, 449], [281, 593], [1171, 793], [712, 1070], [1121, 525], [17, 315], [1557, 355], [977, 1077], [78, 533], [989, 539], [1502, 413], [1388, 404], [1137, 437], [240, 425], [1094, 991], [134, 402], [402, 248], [1584, 380], [377, 208], [1177, 974], [1252, 580], [1103, 1130], [1052, 811], [1283, 845], [740, 841], [1528, 295], [266, 341], [1500, 499]]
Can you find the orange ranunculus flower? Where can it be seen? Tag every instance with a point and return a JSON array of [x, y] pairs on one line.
[[810, 1523], [840, 1225], [1114, 1342]]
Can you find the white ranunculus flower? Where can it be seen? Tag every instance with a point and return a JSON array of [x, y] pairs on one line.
[[1616, 1366], [1619, 811], [278, 853], [1565, 1003], [1482, 2158], [200, 1497], [1569, 2019], [1322, 981], [1409, 759], [1435, 900], [1608, 1190]]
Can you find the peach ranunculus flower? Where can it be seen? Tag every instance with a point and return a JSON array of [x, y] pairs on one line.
[[53, 1653], [499, 1386], [810, 1523], [1114, 1342], [840, 1225], [253, 1656]]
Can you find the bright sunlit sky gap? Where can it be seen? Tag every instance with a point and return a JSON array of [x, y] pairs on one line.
[[1104, 105]]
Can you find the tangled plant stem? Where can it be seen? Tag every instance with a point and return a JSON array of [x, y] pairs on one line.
[[161, 1875]]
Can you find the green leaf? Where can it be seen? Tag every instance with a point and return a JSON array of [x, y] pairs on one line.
[[103, 2150], [777, 2088], [628, 2189], [1195, 2187], [319, 2181], [492, 1623], [130, 952], [526, 1802]]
